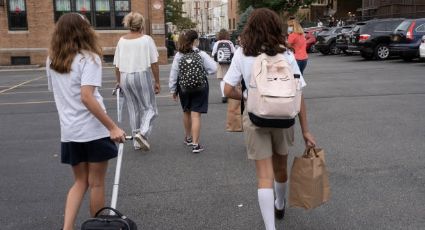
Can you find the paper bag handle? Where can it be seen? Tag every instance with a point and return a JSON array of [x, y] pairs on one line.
[[310, 153]]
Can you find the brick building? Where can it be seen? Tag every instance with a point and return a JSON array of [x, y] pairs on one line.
[[233, 14], [393, 8], [26, 25]]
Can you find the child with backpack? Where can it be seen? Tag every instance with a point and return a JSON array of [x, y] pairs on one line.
[[74, 73], [270, 72], [188, 81], [222, 52]]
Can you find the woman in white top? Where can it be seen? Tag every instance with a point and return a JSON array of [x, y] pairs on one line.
[[223, 37], [268, 147], [193, 103], [136, 60], [74, 73]]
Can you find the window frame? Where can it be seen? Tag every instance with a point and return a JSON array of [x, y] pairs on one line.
[[10, 28], [93, 13]]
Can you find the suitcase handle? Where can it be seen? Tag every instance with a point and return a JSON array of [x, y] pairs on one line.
[[118, 213]]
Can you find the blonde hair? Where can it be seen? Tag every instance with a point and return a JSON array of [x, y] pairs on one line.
[[298, 29], [134, 21]]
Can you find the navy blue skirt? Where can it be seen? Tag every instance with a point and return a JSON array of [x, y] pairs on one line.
[[99, 150], [194, 102]]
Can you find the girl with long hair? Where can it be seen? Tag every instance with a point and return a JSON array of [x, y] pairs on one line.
[[268, 147], [297, 41], [193, 103], [74, 72]]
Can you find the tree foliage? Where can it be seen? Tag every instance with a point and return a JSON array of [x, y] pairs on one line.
[[279, 6], [174, 14]]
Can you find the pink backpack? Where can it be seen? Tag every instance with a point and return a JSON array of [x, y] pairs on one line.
[[274, 92]]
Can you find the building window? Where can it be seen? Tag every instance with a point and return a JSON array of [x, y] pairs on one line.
[[17, 14], [103, 14], [62, 7]]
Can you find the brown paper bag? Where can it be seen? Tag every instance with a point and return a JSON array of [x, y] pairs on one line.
[[309, 181], [234, 116]]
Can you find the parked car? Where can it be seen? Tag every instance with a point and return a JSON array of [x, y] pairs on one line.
[[326, 40], [372, 38], [343, 37], [310, 36], [422, 48], [407, 38]]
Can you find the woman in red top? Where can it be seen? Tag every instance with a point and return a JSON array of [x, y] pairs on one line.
[[298, 43]]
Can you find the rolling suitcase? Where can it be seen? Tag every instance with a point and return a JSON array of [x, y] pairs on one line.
[[114, 220]]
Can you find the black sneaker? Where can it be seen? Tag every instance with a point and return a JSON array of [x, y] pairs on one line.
[[188, 141], [279, 214], [197, 148]]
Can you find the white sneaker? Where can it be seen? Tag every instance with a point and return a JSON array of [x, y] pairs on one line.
[[144, 145]]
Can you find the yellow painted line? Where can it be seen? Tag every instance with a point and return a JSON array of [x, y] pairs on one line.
[[23, 83], [48, 102]]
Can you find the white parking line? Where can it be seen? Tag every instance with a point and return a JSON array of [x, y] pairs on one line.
[[48, 102], [20, 84]]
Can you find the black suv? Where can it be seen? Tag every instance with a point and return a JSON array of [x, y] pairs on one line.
[[343, 38], [372, 38], [407, 37], [326, 40]]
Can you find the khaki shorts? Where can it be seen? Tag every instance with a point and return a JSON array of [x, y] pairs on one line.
[[222, 70], [261, 143]]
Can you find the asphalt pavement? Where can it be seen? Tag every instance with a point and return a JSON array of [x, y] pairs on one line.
[[367, 115]]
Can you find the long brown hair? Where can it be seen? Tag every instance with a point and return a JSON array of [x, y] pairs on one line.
[[263, 33], [73, 33], [186, 39]]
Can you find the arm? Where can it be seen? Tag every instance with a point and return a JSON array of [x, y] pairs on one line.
[[155, 72], [308, 137], [174, 72], [94, 107], [209, 63], [232, 92], [117, 76]]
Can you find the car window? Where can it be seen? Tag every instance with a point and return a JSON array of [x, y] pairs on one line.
[[357, 28], [404, 26], [325, 31], [421, 28], [337, 31], [391, 25]]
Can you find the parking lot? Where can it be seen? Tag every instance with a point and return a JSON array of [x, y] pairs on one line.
[[367, 115]]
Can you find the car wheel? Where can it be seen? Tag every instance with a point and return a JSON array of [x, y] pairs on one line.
[[333, 49], [324, 52], [366, 56], [382, 51]]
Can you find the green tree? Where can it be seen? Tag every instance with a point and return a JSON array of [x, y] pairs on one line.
[[174, 14], [279, 6]]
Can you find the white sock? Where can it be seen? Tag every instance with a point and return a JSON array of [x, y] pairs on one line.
[[280, 191], [266, 201], [222, 88]]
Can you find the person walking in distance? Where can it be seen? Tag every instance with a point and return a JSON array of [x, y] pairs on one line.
[[268, 147], [137, 73], [188, 81], [74, 73], [222, 52], [297, 41]]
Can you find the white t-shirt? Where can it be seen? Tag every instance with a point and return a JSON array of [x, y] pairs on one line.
[[214, 49], [77, 123], [135, 55], [209, 64], [242, 67]]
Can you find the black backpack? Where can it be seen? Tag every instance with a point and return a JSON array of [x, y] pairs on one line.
[[224, 53], [192, 74]]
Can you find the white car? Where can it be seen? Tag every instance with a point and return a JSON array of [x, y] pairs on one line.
[[422, 48]]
